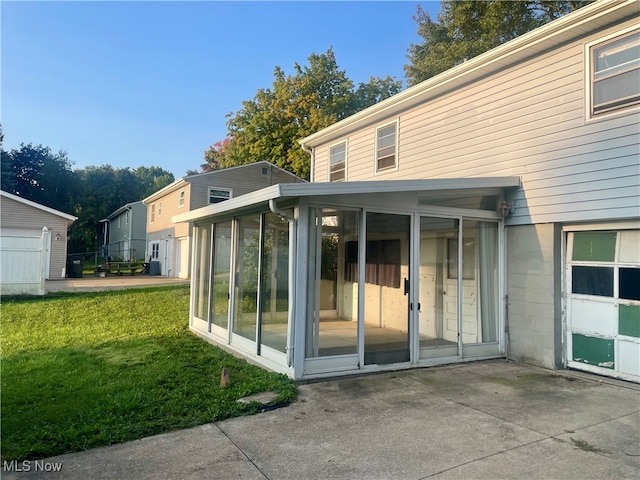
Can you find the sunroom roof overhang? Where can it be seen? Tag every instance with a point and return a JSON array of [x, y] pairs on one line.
[[289, 191]]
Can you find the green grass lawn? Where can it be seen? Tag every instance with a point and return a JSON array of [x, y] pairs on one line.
[[84, 370]]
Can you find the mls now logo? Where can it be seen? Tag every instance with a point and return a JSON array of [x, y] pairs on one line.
[[29, 466]]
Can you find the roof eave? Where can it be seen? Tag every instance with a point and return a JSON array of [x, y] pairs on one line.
[[479, 66], [293, 190]]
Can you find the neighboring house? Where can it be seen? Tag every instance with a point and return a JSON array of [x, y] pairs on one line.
[[33, 245], [169, 243], [491, 211], [125, 234]]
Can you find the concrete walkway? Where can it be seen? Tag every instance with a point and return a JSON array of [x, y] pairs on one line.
[[486, 420], [94, 283]]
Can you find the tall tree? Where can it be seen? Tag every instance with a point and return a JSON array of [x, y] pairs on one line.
[[466, 28], [35, 173], [314, 97], [151, 179]]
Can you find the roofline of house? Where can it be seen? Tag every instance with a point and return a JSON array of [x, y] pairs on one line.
[[547, 36], [126, 206], [58, 213], [293, 190], [184, 180]]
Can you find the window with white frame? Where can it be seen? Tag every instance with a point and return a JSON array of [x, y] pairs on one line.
[[155, 250], [119, 221], [152, 216], [126, 217], [217, 195], [615, 73], [337, 162], [159, 209], [386, 147], [181, 199]]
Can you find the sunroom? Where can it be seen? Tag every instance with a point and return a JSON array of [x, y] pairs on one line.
[[324, 279]]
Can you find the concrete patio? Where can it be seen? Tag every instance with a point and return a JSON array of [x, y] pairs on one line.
[[485, 420]]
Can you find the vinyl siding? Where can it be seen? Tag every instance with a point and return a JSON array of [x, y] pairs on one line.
[[241, 180], [17, 215], [528, 120], [170, 208]]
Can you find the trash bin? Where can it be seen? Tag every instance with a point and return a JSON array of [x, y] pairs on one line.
[[75, 263], [76, 269], [154, 268]]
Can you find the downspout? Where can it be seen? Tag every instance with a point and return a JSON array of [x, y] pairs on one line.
[[310, 152], [292, 270]]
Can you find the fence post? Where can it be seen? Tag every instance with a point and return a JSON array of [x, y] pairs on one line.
[[43, 260]]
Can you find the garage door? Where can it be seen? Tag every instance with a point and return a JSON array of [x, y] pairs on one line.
[[21, 257], [603, 302]]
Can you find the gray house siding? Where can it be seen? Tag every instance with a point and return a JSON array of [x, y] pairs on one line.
[[127, 232], [241, 180], [528, 120], [173, 241]]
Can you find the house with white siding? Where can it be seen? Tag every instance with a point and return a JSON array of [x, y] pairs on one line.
[[168, 243], [33, 245], [490, 211]]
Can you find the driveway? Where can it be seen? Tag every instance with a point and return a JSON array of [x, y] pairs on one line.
[[484, 420], [94, 283]]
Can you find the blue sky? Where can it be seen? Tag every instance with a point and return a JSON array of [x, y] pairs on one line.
[[149, 83]]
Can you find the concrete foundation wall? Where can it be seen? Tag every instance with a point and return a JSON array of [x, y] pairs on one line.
[[533, 289]]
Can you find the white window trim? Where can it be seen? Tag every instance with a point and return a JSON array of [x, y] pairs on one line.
[[155, 243], [159, 211], [225, 189], [152, 213], [181, 197], [346, 156], [588, 66], [375, 147]]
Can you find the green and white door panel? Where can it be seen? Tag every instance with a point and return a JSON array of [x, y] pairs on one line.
[[603, 302]]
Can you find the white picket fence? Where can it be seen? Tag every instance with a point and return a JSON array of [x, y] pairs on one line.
[[22, 264]]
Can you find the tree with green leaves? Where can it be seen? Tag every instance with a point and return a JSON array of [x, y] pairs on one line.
[[35, 173], [314, 97], [465, 29]]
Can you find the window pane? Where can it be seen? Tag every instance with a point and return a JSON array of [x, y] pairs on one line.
[[594, 246], [275, 282], [388, 162], [438, 322], [202, 269], [338, 154], [629, 246], [221, 273], [333, 278], [616, 73], [592, 280], [246, 291], [629, 320], [337, 175], [617, 56], [593, 350], [629, 283]]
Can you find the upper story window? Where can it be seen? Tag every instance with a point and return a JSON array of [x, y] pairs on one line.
[[152, 216], [181, 199], [217, 195], [159, 209], [615, 73], [119, 221], [386, 147], [126, 217], [338, 162]]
